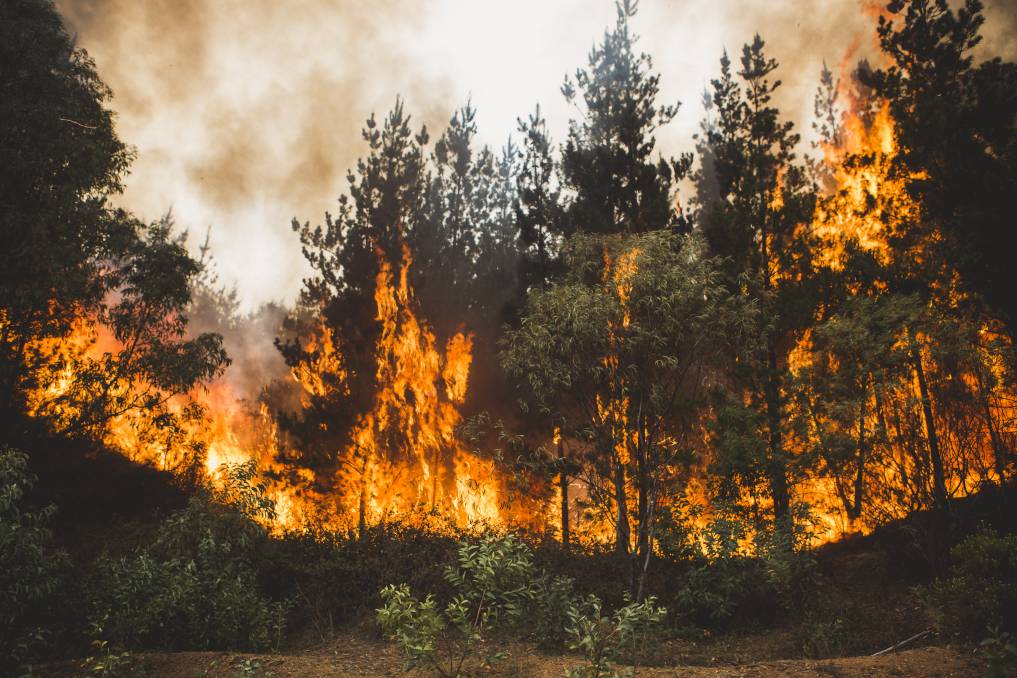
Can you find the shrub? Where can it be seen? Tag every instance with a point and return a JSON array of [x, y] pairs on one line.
[[335, 577], [210, 602], [724, 586], [554, 606], [604, 640], [493, 584], [1000, 648], [106, 662], [819, 638], [196, 586], [980, 590], [30, 568]]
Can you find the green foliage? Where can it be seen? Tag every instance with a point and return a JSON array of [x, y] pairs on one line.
[[493, 584], [981, 589], [555, 604], [211, 602], [30, 567], [195, 587], [70, 255], [335, 577], [60, 163], [640, 321], [1001, 650], [495, 587], [819, 638], [106, 662], [495, 576], [154, 360], [735, 580], [249, 668], [753, 195], [604, 640]]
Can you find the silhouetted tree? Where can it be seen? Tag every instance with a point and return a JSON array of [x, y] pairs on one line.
[[386, 207], [607, 170], [539, 207], [69, 258], [955, 123]]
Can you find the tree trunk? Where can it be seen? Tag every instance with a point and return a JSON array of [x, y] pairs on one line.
[[856, 511], [362, 511], [938, 475], [777, 466], [642, 525], [622, 514], [999, 452], [563, 487]]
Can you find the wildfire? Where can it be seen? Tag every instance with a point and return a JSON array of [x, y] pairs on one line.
[[867, 198], [866, 202], [404, 457]]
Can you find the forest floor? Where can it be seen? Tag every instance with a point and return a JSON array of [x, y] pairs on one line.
[[351, 656]]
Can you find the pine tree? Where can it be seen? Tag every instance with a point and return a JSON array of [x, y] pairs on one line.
[[538, 206], [607, 169], [386, 208], [762, 197], [955, 123]]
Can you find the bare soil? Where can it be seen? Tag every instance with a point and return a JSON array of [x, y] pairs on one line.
[[352, 656]]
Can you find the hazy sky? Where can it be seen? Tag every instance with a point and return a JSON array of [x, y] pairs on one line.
[[247, 113]]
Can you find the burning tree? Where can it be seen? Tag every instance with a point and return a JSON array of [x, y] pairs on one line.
[[420, 250], [753, 212], [620, 350], [92, 301]]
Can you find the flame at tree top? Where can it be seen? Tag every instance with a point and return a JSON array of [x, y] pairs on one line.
[[404, 455]]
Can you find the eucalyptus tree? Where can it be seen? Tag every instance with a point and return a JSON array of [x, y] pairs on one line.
[[71, 262]]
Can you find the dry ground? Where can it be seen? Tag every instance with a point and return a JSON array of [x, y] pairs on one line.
[[353, 657]]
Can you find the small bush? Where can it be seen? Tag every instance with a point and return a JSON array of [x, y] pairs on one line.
[[335, 578], [1000, 648], [207, 603], [820, 638], [196, 586], [981, 589], [554, 607], [604, 640], [493, 586], [724, 586], [30, 568]]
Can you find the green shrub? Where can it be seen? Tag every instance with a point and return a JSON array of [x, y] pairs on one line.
[[207, 603], [30, 568], [819, 638], [554, 606], [604, 640], [195, 587], [1000, 648], [335, 577], [494, 588], [724, 587], [981, 589], [106, 662]]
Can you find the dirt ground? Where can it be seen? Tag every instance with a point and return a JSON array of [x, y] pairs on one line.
[[354, 657]]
